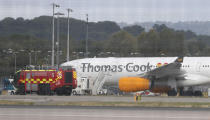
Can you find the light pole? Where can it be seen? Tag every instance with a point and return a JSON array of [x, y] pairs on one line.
[[29, 58], [67, 56], [58, 37], [53, 36], [15, 60], [86, 43], [35, 56]]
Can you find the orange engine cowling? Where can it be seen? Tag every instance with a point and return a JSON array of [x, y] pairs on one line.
[[133, 84]]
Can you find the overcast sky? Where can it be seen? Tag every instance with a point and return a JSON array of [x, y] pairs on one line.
[[128, 11]]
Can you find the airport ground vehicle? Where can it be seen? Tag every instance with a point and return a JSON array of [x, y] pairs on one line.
[[83, 87], [8, 86], [147, 93], [46, 82]]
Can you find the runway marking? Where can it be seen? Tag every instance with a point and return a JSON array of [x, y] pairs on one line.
[[106, 116]]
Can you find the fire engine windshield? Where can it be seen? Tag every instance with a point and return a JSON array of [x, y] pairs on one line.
[[68, 77]]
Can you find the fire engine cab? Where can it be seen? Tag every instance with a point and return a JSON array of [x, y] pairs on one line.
[[45, 82]]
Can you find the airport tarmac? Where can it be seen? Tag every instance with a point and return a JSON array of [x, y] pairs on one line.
[[101, 113], [36, 98]]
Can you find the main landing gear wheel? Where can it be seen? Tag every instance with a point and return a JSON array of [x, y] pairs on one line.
[[172, 92], [198, 93]]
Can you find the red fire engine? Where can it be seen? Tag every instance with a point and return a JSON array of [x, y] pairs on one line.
[[45, 82]]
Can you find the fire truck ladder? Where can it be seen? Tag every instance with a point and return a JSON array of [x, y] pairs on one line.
[[99, 82]]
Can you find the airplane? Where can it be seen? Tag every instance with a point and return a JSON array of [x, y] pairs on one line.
[[157, 74]]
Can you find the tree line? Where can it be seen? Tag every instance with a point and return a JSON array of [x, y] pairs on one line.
[[30, 41]]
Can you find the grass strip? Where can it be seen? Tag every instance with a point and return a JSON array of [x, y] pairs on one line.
[[136, 104], [7, 102], [120, 104]]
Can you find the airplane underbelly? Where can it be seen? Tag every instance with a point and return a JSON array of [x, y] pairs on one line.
[[194, 79]]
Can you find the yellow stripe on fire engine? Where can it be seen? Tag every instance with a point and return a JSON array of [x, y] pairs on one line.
[[41, 82], [32, 79], [50, 80], [74, 74], [59, 75], [44, 80], [47, 81], [22, 81], [37, 79]]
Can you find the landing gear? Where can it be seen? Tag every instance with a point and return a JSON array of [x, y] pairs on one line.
[[198, 93], [172, 92], [190, 92]]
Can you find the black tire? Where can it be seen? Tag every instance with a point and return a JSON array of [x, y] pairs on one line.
[[47, 89], [41, 90], [59, 91], [12, 93], [172, 93], [198, 93], [74, 93], [181, 91], [67, 90], [44, 89], [188, 93]]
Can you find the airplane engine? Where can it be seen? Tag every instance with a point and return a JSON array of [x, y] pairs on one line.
[[133, 84]]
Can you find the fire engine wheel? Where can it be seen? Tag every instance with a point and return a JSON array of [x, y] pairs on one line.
[[59, 91], [44, 89], [67, 92], [12, 93], [64, 91]]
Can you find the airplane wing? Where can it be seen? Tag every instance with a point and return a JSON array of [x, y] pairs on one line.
[[171, 69]]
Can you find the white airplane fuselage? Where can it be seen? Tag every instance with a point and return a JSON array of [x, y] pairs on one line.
[[197, 68]]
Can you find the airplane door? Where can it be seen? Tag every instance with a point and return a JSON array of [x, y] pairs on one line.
[[198, 67]]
